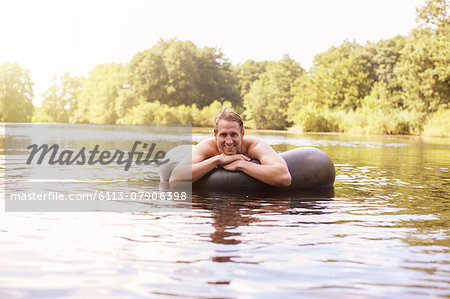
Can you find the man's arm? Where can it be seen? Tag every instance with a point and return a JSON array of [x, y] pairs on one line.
[[273, 169]]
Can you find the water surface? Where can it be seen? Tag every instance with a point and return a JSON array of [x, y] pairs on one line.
[[383, 233]]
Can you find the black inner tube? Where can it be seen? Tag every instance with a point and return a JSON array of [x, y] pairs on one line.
[[310, 168]]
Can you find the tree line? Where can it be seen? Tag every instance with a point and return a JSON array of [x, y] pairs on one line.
[[395, 86]]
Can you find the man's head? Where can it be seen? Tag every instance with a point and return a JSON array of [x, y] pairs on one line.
[[228, 132]]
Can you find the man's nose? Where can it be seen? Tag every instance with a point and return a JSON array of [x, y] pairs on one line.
[[229, 140]]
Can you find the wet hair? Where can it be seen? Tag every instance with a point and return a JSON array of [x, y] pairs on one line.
[[230, 115]]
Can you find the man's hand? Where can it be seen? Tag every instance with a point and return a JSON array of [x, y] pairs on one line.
[[227, 160], [234, 166]]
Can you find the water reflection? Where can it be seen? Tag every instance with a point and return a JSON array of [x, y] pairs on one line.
[[230, 214]]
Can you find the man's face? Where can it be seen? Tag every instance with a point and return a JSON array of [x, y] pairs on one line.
[[229, 137]]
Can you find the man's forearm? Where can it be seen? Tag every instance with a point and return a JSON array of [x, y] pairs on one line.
[[202, 168], [193, 172], [275, 175]]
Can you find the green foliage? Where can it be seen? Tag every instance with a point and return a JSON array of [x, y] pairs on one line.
[[389, 87], [375, 116], [177, 72], [266, 104], [424, 71], [145, 113], [438, 123], [205, 117], [157, 113], [384, 56], [424, 66], [341, 77], [16, 94], [60, 100], [378, 115], [435, 13], [397, 121], [99, 93], [247, 73], [312, 118]]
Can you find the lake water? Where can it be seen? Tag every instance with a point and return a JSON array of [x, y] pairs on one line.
[[383, 233]]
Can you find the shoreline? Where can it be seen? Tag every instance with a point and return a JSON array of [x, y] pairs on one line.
[[207, 129]]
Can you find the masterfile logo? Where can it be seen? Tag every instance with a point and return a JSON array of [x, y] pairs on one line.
[[69, 168], [94, 156]]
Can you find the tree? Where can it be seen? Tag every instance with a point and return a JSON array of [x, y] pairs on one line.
[[386, 89], [60, 100], [424, 72], [97, 101], [384, 55], [266, 104], [16, 93], [177, 72], [424, 67], [341, 77], [436, 14], [247, 73]]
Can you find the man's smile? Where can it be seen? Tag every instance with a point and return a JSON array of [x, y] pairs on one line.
[[229, 148]]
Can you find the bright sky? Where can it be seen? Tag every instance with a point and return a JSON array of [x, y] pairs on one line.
[[53, 37]]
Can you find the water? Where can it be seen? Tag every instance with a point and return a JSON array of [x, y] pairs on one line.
[[383, 234]]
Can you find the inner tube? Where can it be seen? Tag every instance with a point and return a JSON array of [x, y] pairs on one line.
[[310, 168]]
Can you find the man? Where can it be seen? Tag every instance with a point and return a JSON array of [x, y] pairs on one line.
[[230, 150]]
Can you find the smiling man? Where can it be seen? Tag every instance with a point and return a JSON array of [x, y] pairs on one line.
[[232, 151]]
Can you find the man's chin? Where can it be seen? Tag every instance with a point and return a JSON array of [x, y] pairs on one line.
[[229, 152]]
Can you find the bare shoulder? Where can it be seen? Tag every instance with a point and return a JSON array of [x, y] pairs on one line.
[[257, 148], [204, 149]]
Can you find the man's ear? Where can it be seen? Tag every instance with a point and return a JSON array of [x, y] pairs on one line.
[[243, 133], [215, 134]]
